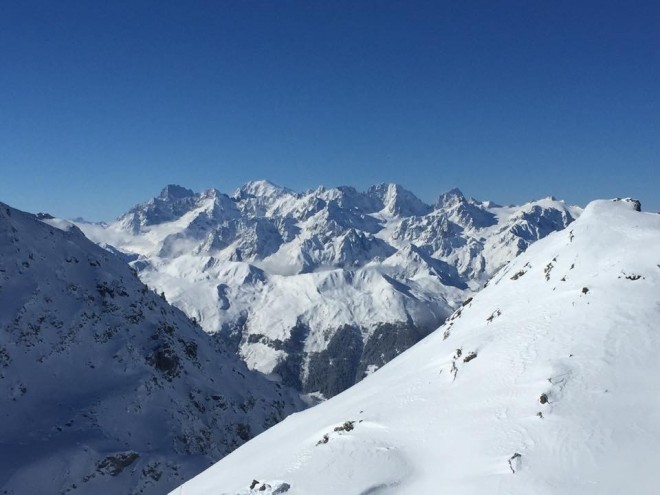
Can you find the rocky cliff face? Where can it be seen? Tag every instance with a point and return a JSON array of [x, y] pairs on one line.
[[323, 287], [104, 387]]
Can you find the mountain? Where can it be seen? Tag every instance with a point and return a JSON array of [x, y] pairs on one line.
[[546, 382], [104, 387], [319, 289]]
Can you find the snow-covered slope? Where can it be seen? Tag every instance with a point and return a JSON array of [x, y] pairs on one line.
[[547, 382], [104, 387], [323, 287]]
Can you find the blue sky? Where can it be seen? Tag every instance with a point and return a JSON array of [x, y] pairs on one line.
[[103, 103]]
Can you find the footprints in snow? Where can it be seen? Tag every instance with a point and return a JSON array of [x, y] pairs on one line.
[[559, 381]]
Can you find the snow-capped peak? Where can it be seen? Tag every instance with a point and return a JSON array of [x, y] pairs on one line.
[[172, 192], [260, 188], [399, 201], [450, 198]]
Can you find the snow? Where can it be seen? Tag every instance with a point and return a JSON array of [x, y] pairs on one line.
[[573, 320], [104, 387], [256, 266], [58, 223]]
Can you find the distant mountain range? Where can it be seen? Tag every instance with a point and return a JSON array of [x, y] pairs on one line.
[[319, 289]]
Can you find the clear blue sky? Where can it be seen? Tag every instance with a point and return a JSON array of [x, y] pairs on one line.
[[103, 103]]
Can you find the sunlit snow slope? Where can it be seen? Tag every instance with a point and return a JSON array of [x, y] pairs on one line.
[[104, 387], [547, 382]]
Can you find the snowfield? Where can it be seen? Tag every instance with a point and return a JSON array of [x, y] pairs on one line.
[[547, 382]]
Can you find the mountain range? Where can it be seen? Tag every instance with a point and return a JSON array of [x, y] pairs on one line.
[[319, 289], [522, 342]]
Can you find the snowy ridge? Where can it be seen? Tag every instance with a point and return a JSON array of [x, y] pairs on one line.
[[291, 280], [546, 382], [104, 387]]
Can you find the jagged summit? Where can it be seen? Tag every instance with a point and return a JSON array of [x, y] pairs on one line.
[[545, 382], [262, 188], [450, 198], [172, 192], [337, 268], [399, 201]]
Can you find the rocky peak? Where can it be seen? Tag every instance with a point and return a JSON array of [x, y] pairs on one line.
[[467, 213], [260, 189], [450, 199], [172, 192], [397, 200]]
